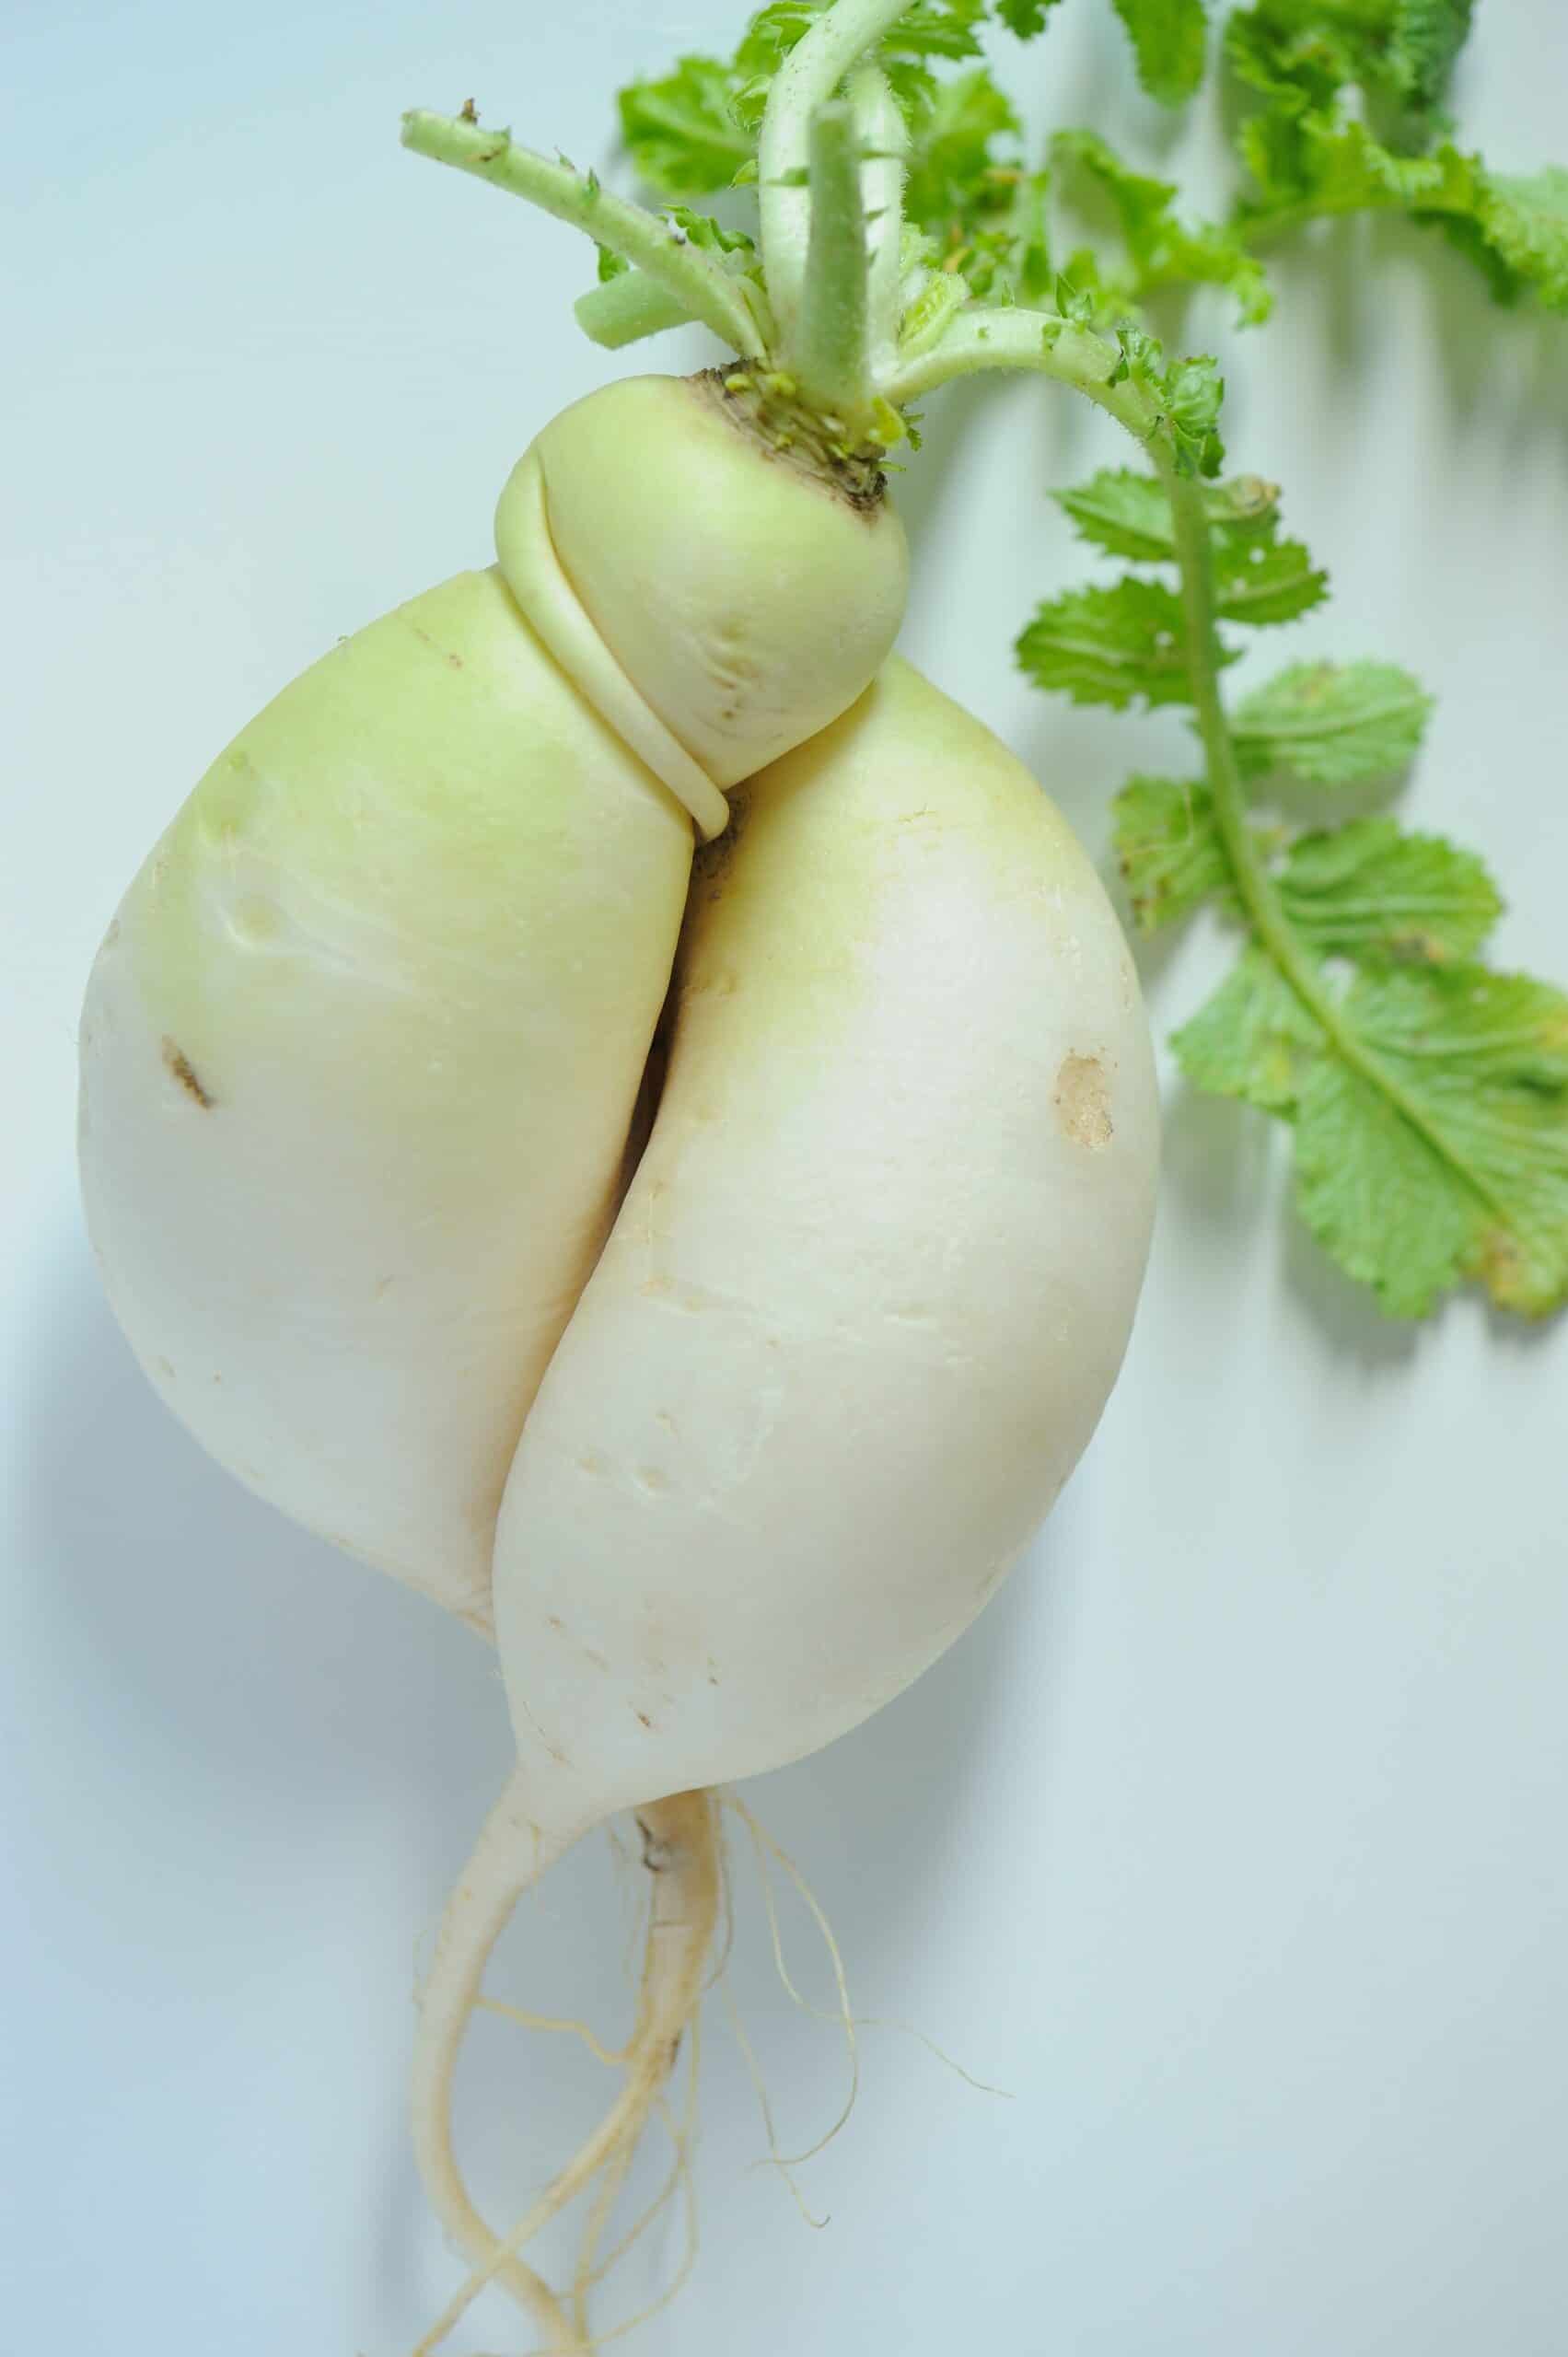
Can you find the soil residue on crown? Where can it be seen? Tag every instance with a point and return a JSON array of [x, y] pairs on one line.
[[786, 431]]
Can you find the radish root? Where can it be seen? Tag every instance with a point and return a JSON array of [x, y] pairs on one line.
[[764, 1844], [681, 1850]]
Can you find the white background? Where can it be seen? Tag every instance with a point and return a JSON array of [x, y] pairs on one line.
[[1231, 1841]]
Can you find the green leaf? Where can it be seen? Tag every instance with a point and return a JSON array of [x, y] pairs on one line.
[[930, 30], [1168, 39], [1331, 723], [694, 130], [699, 229], [1431, 1122], [966, 189], [1162, 249], [1141, 203], [1374, 1193], [1525, 224], [1110, 645], [1079, 294], [1325, 163], [1302, 53], [681, 132], [954, 184], [1025, 18], [1168, 849], [1030, 270], [947, 28], [1426, 36], [1309, 155], [1128, 514], [1447, 1155], [1190, 393], [1293, 71], [1258, 579], [1123, 512], [1253, 1038], [1368, 889]]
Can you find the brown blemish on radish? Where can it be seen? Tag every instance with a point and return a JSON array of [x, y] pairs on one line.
[[1082, 1102], [177, 1062], [453, 660]]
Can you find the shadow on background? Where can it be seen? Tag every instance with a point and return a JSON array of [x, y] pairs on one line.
[[305, 1686], [306, 1676]]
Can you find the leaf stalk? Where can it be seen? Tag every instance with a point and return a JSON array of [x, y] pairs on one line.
[[1254, 886]]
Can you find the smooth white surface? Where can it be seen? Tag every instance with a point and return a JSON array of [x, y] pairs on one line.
[[1231, 1840]]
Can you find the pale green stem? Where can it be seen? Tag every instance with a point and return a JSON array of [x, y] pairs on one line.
[[829, 352], [807, 78], [1034, 339], [883, 142], [689, 276], [1189, 524], [624, 309]]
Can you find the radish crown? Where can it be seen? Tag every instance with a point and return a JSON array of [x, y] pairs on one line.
[[838, 313]]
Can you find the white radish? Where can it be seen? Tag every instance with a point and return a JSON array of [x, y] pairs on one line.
[[726, 1426]]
